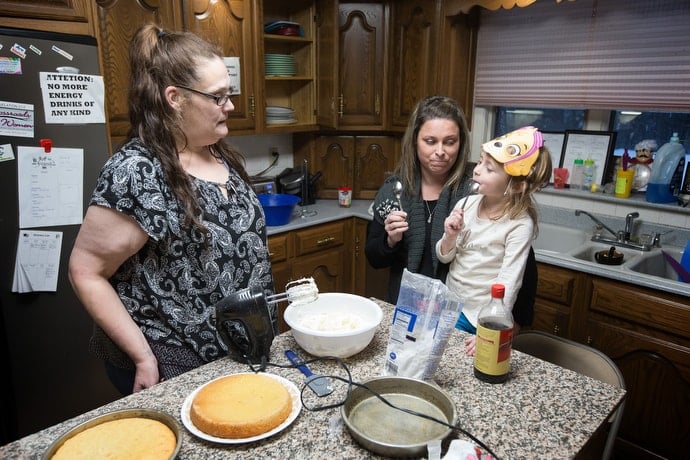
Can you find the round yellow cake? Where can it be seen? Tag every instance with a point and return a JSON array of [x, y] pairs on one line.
[[240, 406], [126, 438]]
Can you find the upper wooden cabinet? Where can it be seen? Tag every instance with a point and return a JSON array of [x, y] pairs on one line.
[[434, 52], [230, 26], [352, 64], [64, 16], [118, 20], [385, 56]]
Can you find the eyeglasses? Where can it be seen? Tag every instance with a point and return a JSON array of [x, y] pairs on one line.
[[221, 100]]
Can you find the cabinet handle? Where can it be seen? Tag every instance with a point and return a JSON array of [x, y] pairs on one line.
[[271, 254], [556, 329], [377, 104], [325, 241], [252, 106], [341, 105], [589, 340]]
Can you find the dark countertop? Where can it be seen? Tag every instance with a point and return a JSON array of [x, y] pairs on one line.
[[542, 409]]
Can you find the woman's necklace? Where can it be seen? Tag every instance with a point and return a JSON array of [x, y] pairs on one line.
[[429, 210]]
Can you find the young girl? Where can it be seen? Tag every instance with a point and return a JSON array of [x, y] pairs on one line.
[[487, 238]]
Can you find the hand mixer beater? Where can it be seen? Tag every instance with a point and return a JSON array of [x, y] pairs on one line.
[[244, 321]]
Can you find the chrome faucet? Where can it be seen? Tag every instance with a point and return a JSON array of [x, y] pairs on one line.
[[597, 221], [627, 233], [622, 238]]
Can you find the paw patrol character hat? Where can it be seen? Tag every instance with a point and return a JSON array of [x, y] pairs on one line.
[[517, 151]]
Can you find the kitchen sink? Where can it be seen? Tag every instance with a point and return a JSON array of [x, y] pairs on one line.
[[588, 252], [554, 238], [655, 264]]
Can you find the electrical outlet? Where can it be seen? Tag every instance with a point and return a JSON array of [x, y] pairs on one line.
[[273, 153]]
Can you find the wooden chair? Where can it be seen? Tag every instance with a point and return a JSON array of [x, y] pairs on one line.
[[579, 358]]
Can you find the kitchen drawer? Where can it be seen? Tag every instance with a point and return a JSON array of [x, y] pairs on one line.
[[319, 238], [556, 284], [654, 309], [278, 248]]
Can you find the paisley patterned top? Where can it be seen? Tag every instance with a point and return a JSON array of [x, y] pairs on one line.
[[170, 285]]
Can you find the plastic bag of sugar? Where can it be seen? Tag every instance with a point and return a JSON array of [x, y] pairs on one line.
[[424, 317]]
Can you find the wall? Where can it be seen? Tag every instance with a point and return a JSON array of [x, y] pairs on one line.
[[257, 151]]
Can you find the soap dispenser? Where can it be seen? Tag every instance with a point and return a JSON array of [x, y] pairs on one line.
[[664, 181]]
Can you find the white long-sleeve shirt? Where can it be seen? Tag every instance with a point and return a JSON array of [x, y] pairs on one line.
[[487, 252]]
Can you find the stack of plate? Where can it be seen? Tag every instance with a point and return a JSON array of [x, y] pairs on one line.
[[277, 115], [279, 65]]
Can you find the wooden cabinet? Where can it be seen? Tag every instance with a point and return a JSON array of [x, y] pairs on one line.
[[559, 292], [226, 23], [359, 162], [321, 252], [118, 20], [297, 91], [388, 55], [352, 65], [229, 24], [433, 52], [367, 281], [64, 16], [646, 333]]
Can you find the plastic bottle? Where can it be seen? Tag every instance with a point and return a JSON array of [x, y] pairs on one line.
[[662, 186], [577, 173], [494, 339], [588, 174]]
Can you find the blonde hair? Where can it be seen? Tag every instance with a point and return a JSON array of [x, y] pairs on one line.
[[521, 188]]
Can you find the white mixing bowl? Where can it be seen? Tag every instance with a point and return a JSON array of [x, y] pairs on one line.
[[335, 324]]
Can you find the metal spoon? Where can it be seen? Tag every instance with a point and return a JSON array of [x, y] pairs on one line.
[[397, 190], [473, 190]]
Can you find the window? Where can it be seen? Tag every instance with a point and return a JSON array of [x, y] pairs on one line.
[[511, 118]]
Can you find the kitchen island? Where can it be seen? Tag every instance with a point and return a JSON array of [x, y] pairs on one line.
[[543, 410]]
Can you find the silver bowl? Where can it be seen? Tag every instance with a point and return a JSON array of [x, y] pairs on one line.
[[160, 416], [384, 430]]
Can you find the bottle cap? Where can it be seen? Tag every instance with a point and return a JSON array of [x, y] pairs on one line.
[[589, 161], [498, 291], [578, 161], [675, 138]]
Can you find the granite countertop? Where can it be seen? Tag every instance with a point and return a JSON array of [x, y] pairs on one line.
[[543, 410], [323, 211]]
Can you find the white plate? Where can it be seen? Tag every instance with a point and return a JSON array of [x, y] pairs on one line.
[[286, 121], [296, 407]]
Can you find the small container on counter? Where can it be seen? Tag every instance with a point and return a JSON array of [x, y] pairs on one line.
[[344, 197]]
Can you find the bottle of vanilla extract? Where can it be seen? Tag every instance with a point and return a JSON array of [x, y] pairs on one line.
[[494, 339]]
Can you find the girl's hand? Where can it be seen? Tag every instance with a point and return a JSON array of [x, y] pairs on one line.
[[454, 223], [470, 343], [395, 225]]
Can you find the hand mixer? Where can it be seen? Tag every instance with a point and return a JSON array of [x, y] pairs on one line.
[[244, 321]]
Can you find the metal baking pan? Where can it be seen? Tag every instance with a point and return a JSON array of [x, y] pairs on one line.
[[160, 416], [388, 431]]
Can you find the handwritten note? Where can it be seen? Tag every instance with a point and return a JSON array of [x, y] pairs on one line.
[[50, 186], [38, 261]]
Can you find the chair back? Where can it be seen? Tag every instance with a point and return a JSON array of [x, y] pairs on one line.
[[580, 358]]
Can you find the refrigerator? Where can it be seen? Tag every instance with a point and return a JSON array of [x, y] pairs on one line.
[[47, 372]]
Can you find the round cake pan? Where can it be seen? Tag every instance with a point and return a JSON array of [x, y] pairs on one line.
[[390, 432], [160, 416]]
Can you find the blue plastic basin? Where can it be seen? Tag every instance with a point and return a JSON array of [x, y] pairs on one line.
[[278, 208]]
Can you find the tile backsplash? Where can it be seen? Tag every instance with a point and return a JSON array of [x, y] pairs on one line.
[[673, 222]]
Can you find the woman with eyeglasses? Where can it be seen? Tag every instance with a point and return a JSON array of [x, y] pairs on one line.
[[173, 225]]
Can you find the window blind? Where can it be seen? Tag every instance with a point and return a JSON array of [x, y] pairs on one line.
[[605, 54]]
